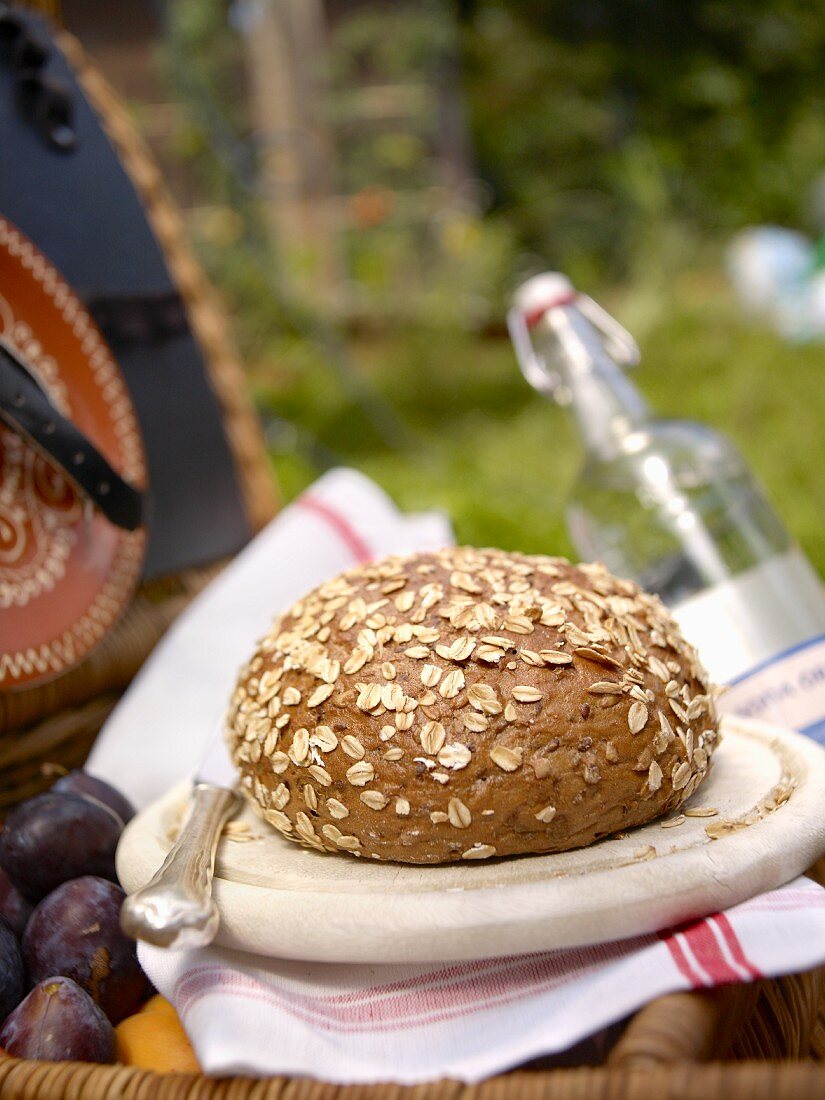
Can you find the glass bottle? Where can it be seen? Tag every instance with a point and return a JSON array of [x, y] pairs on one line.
[[673, 505]]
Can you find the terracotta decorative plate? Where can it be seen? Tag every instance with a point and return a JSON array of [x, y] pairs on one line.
[[66, 572]]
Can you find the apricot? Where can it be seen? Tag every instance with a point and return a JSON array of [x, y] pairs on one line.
[[154, 1039], [158, 1003]]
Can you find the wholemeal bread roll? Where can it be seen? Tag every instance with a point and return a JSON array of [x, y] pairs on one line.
[[469, 703]]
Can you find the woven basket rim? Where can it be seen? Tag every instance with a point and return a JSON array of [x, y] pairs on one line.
[[748, 1080]]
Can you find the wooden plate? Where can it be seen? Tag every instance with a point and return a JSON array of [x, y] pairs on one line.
[[66, 573], [276, 899]]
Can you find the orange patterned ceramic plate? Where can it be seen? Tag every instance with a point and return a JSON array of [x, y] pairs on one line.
[[66, 572]]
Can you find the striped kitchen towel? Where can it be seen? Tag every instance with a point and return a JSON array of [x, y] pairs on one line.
[[467, 1020], [358, 1023]]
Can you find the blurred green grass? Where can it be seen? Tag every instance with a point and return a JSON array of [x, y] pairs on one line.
[[475, 441]]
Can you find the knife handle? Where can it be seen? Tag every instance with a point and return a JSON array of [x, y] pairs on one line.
[[175, 908]]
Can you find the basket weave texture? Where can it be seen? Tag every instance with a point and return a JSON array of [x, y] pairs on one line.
[[764, 1041], [659, 1057]]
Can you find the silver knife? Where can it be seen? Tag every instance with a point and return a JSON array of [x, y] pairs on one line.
[[176, 908]]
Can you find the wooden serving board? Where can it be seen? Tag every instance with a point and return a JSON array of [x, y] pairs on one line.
[[277, 899]]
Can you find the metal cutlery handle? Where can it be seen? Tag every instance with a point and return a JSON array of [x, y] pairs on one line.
[[175, 909]]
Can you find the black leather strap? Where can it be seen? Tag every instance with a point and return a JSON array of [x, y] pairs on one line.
[[27, 409], [138, 318]]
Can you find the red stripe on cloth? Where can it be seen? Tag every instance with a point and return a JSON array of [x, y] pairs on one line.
[[734, 945], [469, 973], [370, 1018], [367, 1023], [780, 902], [562, 963], [393, 1006], [339, 524], [680, 959], [708, 955]]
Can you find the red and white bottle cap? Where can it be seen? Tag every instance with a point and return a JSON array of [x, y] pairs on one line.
[[542, 292]]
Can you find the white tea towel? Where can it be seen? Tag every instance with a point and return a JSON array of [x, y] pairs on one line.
[[357, 1023], [466, 1020]]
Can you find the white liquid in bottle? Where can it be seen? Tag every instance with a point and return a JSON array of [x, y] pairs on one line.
[[763, 632]]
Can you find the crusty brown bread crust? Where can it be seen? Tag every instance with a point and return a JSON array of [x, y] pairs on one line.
[[470, 703]]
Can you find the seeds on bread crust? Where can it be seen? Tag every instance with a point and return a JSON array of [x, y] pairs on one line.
[[520, 703]]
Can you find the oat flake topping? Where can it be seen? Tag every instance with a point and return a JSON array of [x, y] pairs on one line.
[[469, 704]]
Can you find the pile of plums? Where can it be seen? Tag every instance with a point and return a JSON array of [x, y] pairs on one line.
[[67, 972]]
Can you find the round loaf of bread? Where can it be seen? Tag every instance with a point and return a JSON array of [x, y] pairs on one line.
[[465, 704]]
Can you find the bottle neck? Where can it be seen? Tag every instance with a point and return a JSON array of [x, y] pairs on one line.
[[606, 407]]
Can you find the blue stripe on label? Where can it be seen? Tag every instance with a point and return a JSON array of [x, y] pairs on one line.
[[816, 731], [788, 690], [776, 659]]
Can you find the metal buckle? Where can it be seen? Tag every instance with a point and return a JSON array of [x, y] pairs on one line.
[[618, 343], [534, 370]]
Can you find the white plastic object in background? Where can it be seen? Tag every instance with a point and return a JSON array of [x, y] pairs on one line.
[[768, 267]]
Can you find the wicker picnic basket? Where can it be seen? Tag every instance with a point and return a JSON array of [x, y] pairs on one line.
[[765, 1040], [756, 1042]]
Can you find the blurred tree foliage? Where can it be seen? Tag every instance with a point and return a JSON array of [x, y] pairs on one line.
[[620, 140], [411, 224], [598, 122], [614, 138]]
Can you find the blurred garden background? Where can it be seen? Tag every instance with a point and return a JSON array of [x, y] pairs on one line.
[[368, 180]]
